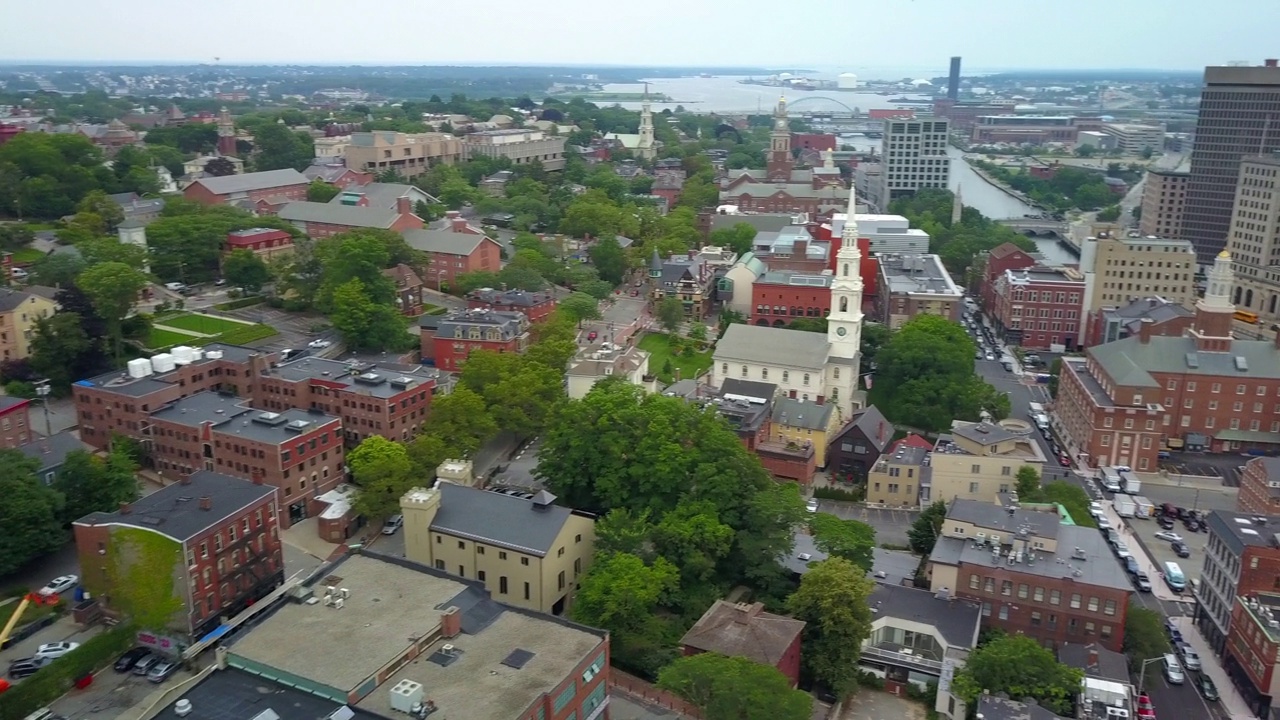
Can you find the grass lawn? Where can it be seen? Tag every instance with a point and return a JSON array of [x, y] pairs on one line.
[[659, 345], [206, 324], [26, 256], [160, 339]]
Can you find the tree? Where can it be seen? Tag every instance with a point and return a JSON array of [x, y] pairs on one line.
[[321, 192], [58, 269], [735, 688], [1019, 666], [364, 323], [220, 167], [1027, 483], [740, 237], [522, 402], [1085, 151], [623, 594], [850, 539], [598, 289], [109, 249], [245, 268], [461, 421], [580, 306], [92, 484], [609, 258], [832, 600], [925, 531], [874, 336], [277, 147], [670, 313], [1111, 213], [113, 288], [58, 347], [1144, 637], [102, 207], [384, 472], [29, 513]]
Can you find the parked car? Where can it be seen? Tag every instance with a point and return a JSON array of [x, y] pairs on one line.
[[161, 671], [126, 661], [591, 336], [59, 585], [175, 286], [1169, 626], [812, 505], [392, 524], [145, 663], [1169, 535], [990, 356], [1207, 688], [1131, 564], [1169, 510], [55, 650], [1173, 671], [1143, 582], [1190, 659], [1165, 522], [319, 344], [1144, 703], [1104, 524], [26, 667], [1181, 550]]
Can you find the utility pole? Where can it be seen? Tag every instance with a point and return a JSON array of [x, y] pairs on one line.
[[43, 390]]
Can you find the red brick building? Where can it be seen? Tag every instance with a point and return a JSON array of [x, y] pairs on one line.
[[1252, 650], [748, 407], [999, 260], [778, 297], [453, 252], [321, 220], [1039, 308], [280, 185], [964, 114], [227, 533], [813, 141], [537, 306], [869, 267], [447, 341], [1240, 559], [267, 243], [8, 132], [1127, 400], [338, 175], [747, 631], [15, 422], [1260, 487], [1166, 319], [408, 289]]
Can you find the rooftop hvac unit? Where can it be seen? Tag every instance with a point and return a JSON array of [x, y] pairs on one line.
[[338, 603], [447, 648], [163, 362], [405, 695], [139, 367], [182, 354], [995, 539], [197, 354], [213, 354]]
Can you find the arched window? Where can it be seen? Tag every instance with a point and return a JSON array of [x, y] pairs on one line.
[[835, 375], [1239, 292], [1248, 298], [844, 304]]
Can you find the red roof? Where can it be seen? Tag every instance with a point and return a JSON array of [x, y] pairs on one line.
[[1004, 250], [911, 441]]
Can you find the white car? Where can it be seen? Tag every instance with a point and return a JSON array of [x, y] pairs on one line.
[[812, 505], [393, 523], [55, 650], [1095, 509], [991, 356], [175, 286], [17, 272], [59, 585], [319, 344], [1169, 535]]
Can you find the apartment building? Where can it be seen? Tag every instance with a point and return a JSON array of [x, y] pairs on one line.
[[272, 186], [912, 285], [914, 157], [1040, 308], [406, 154], [537, 306], [296, 451], [527, 552], [691, 278], [597, 362], [225, 536], [1160, 316], [452, 252], [1254, 239], [898, 475], [1164, 199], [1125, 269], [976, 461], [1253, 651], [1032, 574], [1241, 558], [1000, 260], [322, 220], [745, 630], [19, 312], [1135, 139], [520, 146], [448, 340], [266, 243], [1127, 400], [1260, 487], [15, 421]]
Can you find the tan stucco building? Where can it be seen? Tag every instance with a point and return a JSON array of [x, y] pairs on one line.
[[529, 553], [1125, 269], [520, 146], [976, 461], [19, 312], [408, 154], [896, 478]]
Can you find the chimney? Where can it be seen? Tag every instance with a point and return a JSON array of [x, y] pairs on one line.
[[451, 622], [1271, 62], [1144, 330], [404, 205], [206, 502], [458, 224], [126, 508], [747, 611], [821, 400], [451, 214], [257, 476]]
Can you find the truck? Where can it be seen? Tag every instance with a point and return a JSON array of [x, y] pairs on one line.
[[1109, 478], [1125, 507], [1042, 422], [1146, 509], [1036, 409], [1131, 485]]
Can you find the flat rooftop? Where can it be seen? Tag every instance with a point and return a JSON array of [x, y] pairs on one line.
[[233, 694], [477, 685], [1083, 556], [361, 378], [205, 407], [276, 428], [387, 607], [917, 275]]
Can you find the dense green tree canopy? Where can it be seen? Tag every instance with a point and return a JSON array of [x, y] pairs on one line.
[[849, 539], [832, 600], [29, 514], [735, 688], [1020, 666]]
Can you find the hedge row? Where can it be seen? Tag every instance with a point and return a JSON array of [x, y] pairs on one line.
[[58, 677], [830, 493], [243, 302]]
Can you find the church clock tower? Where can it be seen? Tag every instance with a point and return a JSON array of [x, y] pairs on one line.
[[844, 324], [226, 134], [780, 164]]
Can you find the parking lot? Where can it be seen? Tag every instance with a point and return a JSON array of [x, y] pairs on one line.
[[1161, 551], [1227, 467], [891, 524], [110, 695]]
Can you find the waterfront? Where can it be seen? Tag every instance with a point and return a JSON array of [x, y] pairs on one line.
[[727, 95]]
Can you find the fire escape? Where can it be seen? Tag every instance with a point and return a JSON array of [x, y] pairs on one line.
[[252, 578]]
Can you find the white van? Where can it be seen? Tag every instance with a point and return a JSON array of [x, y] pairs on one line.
[[1110, 479]]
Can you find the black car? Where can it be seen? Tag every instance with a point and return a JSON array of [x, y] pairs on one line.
[[26, 667], [1181, 550], [131, 658], [1165, 522]]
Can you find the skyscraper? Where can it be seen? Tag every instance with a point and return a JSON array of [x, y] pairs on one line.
[[914, 156], [1239, 115], [953, 80]]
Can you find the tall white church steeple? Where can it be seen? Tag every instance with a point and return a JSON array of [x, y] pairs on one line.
[[646, 148], [844, 324]]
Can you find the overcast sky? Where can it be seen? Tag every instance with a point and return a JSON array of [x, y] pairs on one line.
[[1174, 34]]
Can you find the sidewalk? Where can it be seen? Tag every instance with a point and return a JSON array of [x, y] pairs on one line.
[[1139, 551], [1231, 700]]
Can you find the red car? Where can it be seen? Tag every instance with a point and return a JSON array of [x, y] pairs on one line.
[[591, 335], [1145, 707], [1064, 461]]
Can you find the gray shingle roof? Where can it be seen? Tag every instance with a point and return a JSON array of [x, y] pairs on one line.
[[498, 519], [1095, 660], [228, 184], [748, 388], [994, 517], [8, 401], [956, 620], [52, 451], [771, 346], [798, 413], [175, 511], [349, 215], [443, 241], [11, 299], [384, 195], [1130, 362]]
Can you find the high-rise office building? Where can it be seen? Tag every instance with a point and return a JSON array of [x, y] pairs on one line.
[[953, 80], [914, 156], [1254, 237], [1239, 115]]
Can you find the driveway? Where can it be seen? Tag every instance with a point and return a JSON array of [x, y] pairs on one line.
[[870, 704], [891, 524]]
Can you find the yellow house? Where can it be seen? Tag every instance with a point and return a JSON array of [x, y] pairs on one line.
[[19, 312], [979, 460], [805, 423], [897, 477], [527, 552]]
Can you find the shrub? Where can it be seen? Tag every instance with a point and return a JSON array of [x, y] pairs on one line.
[[56, 678], [275, 302], [830, 493]]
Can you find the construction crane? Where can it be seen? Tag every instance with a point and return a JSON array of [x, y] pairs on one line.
[[27, 600]]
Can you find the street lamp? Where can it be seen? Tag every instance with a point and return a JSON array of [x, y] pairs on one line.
[[43, 390], [1142, 682]]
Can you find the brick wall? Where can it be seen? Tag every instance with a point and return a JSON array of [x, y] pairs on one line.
[[650, 694]]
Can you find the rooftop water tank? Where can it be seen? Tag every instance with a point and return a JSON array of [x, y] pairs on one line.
[[139, 367]]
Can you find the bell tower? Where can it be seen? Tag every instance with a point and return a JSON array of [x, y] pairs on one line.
[[1215, 311], [780, 164], [646, 148], [844, 324], [226, 134]]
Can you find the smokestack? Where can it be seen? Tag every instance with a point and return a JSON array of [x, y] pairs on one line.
[[1144, 330], [206, 502], [953, 80], [451, 623]]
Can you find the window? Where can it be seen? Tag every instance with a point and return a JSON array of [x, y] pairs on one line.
[[989, 585], [1022, 591], [480, 575], [1035, 619], [462, 545], [1006, 587], [564, 698], [1093, 604], [502, 585], [1038, 596], [526, 591], [806, 378], [1055, 597], [1106, 631], [764, 373], [973, 582], [1075, 601], [1109, 607], [786, 376], [1004, 612], [502, 555]]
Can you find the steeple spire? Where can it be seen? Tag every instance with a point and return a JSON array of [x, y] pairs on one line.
[[849, 236], [646, 148], [957, 207]]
